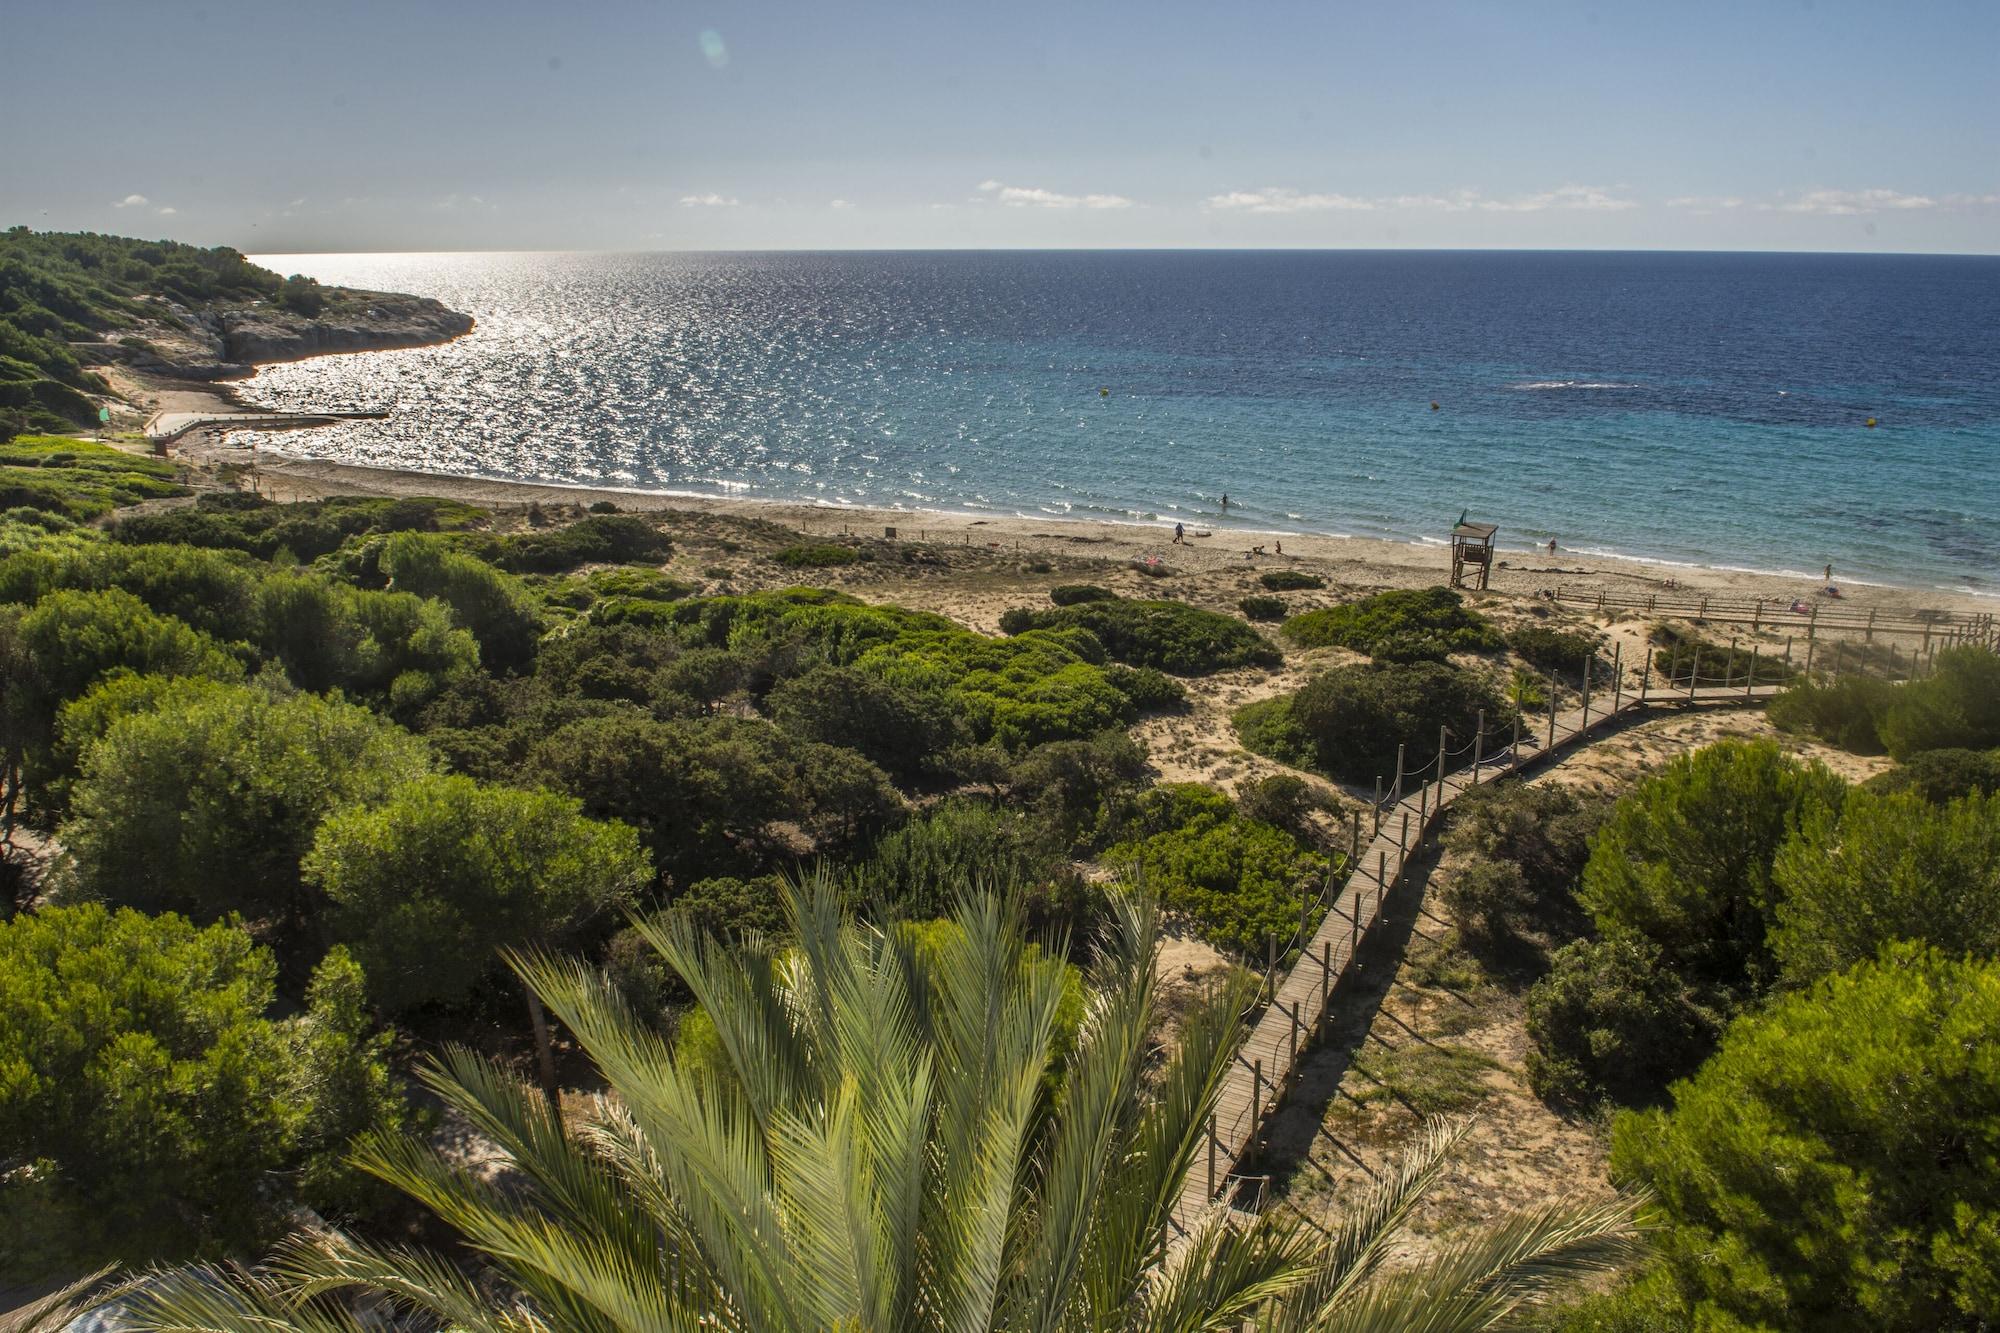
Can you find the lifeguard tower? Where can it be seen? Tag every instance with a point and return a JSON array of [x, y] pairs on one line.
[[1472, 547]]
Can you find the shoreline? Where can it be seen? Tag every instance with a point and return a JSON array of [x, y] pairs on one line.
[[1356, 562], [1359, 562]]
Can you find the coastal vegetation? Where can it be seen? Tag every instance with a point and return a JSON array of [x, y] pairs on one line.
[[1433, 620], [1169, 636], [323, 790]]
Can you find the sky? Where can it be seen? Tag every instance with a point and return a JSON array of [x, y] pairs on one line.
[[287, 126]]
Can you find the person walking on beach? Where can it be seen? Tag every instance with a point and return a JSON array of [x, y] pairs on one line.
[[1829, 574], [1225, 500], [1552, 546], [1180, 534]]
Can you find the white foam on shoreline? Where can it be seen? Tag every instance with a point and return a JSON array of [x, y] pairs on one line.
[[840, 504]]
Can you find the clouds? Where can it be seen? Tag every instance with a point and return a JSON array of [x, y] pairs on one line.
[[710, 200], [839, 204], [1281, 199], [1021, 196], [1846, 203], [1834, 203], [140, 201]]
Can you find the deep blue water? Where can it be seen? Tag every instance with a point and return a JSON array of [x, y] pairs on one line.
[[1707, 408]]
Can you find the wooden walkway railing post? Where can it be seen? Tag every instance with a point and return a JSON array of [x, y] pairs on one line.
[[1645, 675], [1478, 747], [1617, 675]]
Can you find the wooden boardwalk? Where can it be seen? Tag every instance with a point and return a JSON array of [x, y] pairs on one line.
[[1265, 1063]]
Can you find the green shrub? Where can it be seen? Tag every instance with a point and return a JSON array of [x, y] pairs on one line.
[[1832, 1167], [1262, 608], [1072, 594], [598, 539], [1884, 868], [1169, 636], [1289, 580], [1360, 625], [153, 1109], [430, 884], [1286, 801], [1942, 775], [1551, 649], [1267, 727], [1846, 714], [903, 728], [1686, 858], [1956, 707], [1407, 646], [821, 556], [1347, 722], [923, 869], [144, 832], [306, 530], [1148, 690], [728, 908], [1238, 881], [1523, 848], [1081, 788], [1612, 1021], [494, 607], [78, 479], [1020, 691], [1677, 652]]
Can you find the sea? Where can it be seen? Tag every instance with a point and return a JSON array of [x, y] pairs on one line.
[[1773, 412]]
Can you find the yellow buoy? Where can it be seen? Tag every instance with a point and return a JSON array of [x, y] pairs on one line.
[[1871, 423], [1434, 407], [1104, 393]]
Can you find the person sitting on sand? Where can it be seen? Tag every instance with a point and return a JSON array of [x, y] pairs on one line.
[[1799, 607], [1256, 550], [1832, 592]]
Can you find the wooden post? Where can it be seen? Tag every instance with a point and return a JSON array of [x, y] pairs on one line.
[[1514, 749], [1788, 652], [1550, 677], [1325, 976], [1871, 624], [1588, 658], [1812, 623], [1354, 926], [1694, 673], [1729, 664], [1403, 836], [1271, 962], [1423, 807], [1305, 910], [1295, 1035], [1750, 681], [1354, 844], [1257, 1089], [1378, 806], [1211, 1156], [1398, 788], [1811, 644], [1478, 747], [1756, 614], [1440, 771], [1381, 875], [1617, 675], [1646, 674]]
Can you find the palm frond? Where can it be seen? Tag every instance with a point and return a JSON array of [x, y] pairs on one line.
[[58, 1309]]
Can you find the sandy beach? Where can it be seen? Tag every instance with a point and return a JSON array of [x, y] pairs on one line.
[[1355, 563]]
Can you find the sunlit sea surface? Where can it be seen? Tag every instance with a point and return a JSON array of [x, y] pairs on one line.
[[1699, 408]]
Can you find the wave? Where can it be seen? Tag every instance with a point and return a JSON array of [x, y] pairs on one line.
[[1575, 384]]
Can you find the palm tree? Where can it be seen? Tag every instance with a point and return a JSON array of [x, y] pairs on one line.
[[882, 1146]]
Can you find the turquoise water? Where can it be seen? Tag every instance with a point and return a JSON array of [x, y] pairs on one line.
[[1694, 408]]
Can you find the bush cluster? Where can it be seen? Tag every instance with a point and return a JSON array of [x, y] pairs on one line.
[[1555, 650], [1520, 851], [1955, 707], [1239, 881], [1072, 594], [77, 479], [1347, 722], [1262, 608], [1399, 611], [815, 556], [1289, 580], [1168, 636]]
